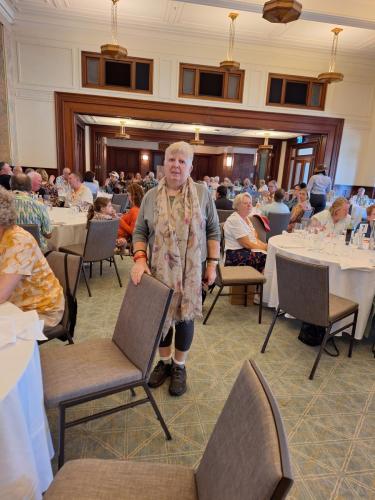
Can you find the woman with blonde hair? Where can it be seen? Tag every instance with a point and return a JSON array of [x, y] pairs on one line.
[[299, 209], [177, 231], [336, 219]]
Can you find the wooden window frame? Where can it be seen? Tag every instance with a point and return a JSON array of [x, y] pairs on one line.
[[297, 79], [198, 68], [102, 60]]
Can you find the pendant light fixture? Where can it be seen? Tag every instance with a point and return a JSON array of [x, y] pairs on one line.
[[265, 146], [122, 134], [114, 49], [332, 76], [282, 11], [196, 141], [230, 64]]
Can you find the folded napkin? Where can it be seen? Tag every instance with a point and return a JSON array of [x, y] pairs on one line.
[[20, 325]]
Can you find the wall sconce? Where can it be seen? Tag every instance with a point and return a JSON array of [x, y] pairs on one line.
[[145, 157], [229, 161]]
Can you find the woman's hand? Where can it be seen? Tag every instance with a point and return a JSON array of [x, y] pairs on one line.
[[138, 269], [210, 274]]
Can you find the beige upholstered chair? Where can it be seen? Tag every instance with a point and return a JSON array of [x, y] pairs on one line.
[[224, 214], [100, 245], [307, 298], [246, 458], [99, 367], [33, 229], [235, 276], [278, 224], [66, 268]]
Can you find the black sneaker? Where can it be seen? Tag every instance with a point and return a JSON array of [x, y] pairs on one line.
[[159, 374], [177, 387]]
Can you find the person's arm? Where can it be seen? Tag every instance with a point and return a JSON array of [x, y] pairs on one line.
[[125, 222], [8, 283], [45, 224], [213, 236], [245, 242], [213, 252]]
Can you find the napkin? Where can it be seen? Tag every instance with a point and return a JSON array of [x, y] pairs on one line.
[[22, 325]]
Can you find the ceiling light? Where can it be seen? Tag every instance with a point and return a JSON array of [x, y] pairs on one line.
[[332, 76], [265, 146], [114, 49], [230, 64], [196, 141], [122, 134], [282, 11]]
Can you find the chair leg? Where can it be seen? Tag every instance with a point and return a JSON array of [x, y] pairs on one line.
[[85, 277], [132, 392], [157, 411], [70, 338], [118, 276], [90, 270], [246, 296], [322, 346], [260, 303], [352, 340], [212, 305], [101, 268], [61, 443], [270, 329]]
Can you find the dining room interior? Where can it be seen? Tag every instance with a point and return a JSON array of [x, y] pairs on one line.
[[187, 249]]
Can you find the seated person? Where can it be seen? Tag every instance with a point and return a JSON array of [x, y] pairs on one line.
[[111, 184], [336, 219], [263, 188], [242, 246], [101, 209], [128, 220], [360, 199], [370, 219], [80, 195], [222, 202], [292, 202], [248, 187], [277, 206], [30, 210], [5, 174], [299, 209], [36, 183], [89, 181], [26, 279]]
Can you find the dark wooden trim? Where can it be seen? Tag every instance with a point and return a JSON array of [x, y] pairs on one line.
[[69, 104]]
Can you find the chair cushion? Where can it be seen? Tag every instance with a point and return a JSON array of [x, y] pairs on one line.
[[79, 369], [340, 307], [241, 275], [125, 480], [74, 249]]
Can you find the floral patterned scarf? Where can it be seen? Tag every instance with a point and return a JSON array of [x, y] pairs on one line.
[[176, 253]]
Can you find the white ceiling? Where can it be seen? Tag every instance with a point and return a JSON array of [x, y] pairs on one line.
[[184, 127], [208, 18]]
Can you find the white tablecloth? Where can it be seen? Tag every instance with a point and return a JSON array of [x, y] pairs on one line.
[[346, 278], [69, 227], [25, 442]]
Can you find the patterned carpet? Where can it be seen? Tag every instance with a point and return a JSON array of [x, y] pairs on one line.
[[330, 421]]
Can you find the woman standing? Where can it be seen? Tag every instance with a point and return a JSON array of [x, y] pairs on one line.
[[178, 223], [319, 186]]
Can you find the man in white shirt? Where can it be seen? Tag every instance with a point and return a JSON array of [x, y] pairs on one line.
[[360, 199], [336, 219], [277, 206], [62, 183], [79, 194]]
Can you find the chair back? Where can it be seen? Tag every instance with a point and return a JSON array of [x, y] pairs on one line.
[[224, 214], [247, 454], [303, 290], [122, 200], [117, 208], [100, 240], [222, 240], [278, 224], [140, 321], [33, 229], [259, 228], [68, 277]]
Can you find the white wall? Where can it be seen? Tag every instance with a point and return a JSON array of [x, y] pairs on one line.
[[46, 58]]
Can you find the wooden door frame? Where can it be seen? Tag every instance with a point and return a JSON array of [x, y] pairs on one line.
[[67, 105]]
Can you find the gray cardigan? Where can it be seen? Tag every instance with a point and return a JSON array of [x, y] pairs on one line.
[[145, 227]]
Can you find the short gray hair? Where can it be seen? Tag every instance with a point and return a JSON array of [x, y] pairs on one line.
[[181, 147], [20, 182], [8, 213], [239, 199]]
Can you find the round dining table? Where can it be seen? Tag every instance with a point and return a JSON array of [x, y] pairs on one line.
[[69, 227], [351, 270], [25, 442]]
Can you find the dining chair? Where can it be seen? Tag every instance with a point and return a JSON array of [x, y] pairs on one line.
[[100, 245], [259, 228], [246, 458], [121, 199], [236, 276], [278, 224], [67, 269], [304, 293], [224, 214], [116, 208], [33, 229], [99, 367]]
